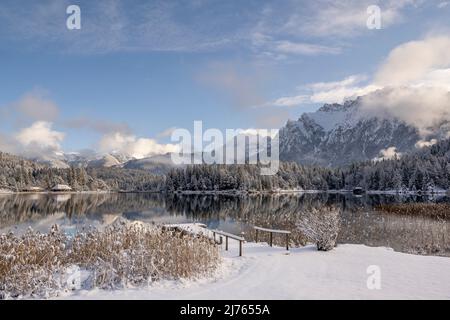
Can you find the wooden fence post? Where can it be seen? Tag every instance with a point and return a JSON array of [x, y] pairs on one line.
[[226, 243], [287, 241], [240, 248], [272, 231]]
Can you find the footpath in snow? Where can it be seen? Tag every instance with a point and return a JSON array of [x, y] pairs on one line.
[[304, 273]]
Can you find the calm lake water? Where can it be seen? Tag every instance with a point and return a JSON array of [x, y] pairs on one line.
[[361, 224]]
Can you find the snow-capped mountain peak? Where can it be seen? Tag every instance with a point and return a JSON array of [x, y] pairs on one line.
[[338, 134]]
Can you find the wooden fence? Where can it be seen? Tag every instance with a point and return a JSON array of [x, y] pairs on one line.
[[272, 231], [231, 236], [241, 238]]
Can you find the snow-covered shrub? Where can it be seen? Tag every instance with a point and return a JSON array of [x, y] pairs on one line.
[[321, 226], [124, 254]]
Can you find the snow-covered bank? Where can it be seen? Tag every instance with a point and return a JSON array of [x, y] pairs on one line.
[[304, 273], [274, 192]]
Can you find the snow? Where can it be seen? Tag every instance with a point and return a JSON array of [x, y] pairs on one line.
[[304, 273], [194, 228], [334, 116], [328, 120], [272, 230]]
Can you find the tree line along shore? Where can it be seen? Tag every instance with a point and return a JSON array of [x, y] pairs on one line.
[[425, 171]]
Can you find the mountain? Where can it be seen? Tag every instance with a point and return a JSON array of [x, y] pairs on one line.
[[54, 160], [159, 164], [82, 159], [20, 174], [106, 161], [339, 134]]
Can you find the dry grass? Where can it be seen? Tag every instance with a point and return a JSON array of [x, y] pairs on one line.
[[432, 210], [26, 263], [124, 254]]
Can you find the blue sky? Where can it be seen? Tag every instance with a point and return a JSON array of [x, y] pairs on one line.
[[139, 68]]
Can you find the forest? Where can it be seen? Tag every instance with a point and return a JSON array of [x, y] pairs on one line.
[[18, 174], [426, 170]]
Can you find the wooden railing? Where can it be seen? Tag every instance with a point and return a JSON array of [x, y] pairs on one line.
[[207, 232], [231, 236], [241, 238], [272, 231]]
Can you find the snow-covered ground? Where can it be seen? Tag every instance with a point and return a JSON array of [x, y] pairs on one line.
[[304, 273]]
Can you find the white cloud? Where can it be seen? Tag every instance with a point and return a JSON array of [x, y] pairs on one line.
[[349, 81], [436, 78], [412, 61], [40, 140], [41, 135], [388, 154], [340, 91], [187, 26], [416, 82], [258, 132], [327, 92], [290, 101], [277, 48], [443, 4], [347, 18], [301, 48], [36, 106], [115, 26], [423, 143], [166, 133], [411, 85], [421, 107], [134, 146]]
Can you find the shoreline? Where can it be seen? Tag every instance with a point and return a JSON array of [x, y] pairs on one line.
[[56, 192], [240, 192]]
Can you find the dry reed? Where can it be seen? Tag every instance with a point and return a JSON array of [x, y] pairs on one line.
[[124, 254], [432, 210]]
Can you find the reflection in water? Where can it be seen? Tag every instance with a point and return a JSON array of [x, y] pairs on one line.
[[360, 223]]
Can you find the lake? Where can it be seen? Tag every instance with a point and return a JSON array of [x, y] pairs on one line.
[[361, 224]]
